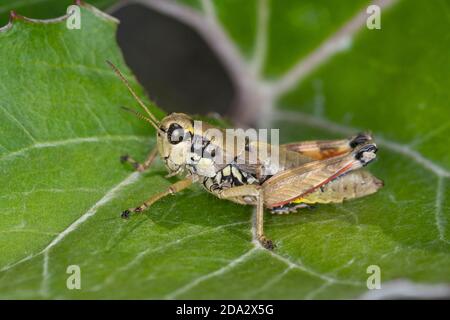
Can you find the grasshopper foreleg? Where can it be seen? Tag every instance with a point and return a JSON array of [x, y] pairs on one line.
[[141, 167], [174, 188]]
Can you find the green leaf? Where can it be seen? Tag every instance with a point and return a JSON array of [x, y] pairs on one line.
[[61, 136]]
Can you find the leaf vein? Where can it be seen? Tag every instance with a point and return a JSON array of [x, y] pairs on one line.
[[110, 195], [213, 274], [65, 142]]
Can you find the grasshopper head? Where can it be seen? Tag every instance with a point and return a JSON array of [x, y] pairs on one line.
[[174, 140], [174, 132]]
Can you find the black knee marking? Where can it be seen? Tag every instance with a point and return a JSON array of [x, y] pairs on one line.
[[366, 154], [367, 148], [360, 139]]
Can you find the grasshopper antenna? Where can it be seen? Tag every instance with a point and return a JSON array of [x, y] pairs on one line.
[[141, 116], [121, 76]]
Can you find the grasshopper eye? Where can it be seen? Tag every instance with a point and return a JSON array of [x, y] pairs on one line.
[[175, 134]]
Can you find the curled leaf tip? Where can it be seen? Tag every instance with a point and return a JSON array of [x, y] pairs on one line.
[[13, 15]]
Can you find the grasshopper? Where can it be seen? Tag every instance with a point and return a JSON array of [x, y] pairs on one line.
[[307, 173]]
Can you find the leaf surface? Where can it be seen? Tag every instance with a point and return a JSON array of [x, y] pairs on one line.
[[61, 136]]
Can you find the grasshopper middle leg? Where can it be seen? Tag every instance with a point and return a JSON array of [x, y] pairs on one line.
[[257, 192]]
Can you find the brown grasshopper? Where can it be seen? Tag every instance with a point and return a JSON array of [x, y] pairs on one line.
[[307, 172]]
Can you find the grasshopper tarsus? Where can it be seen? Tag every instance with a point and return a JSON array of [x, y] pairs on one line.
[[125, 214], [266, 243], [136, 165], [124, 158]]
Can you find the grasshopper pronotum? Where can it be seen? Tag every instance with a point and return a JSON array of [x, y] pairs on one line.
[[307, 172]]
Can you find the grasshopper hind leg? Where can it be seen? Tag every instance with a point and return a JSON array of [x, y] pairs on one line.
[[324, 149]]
